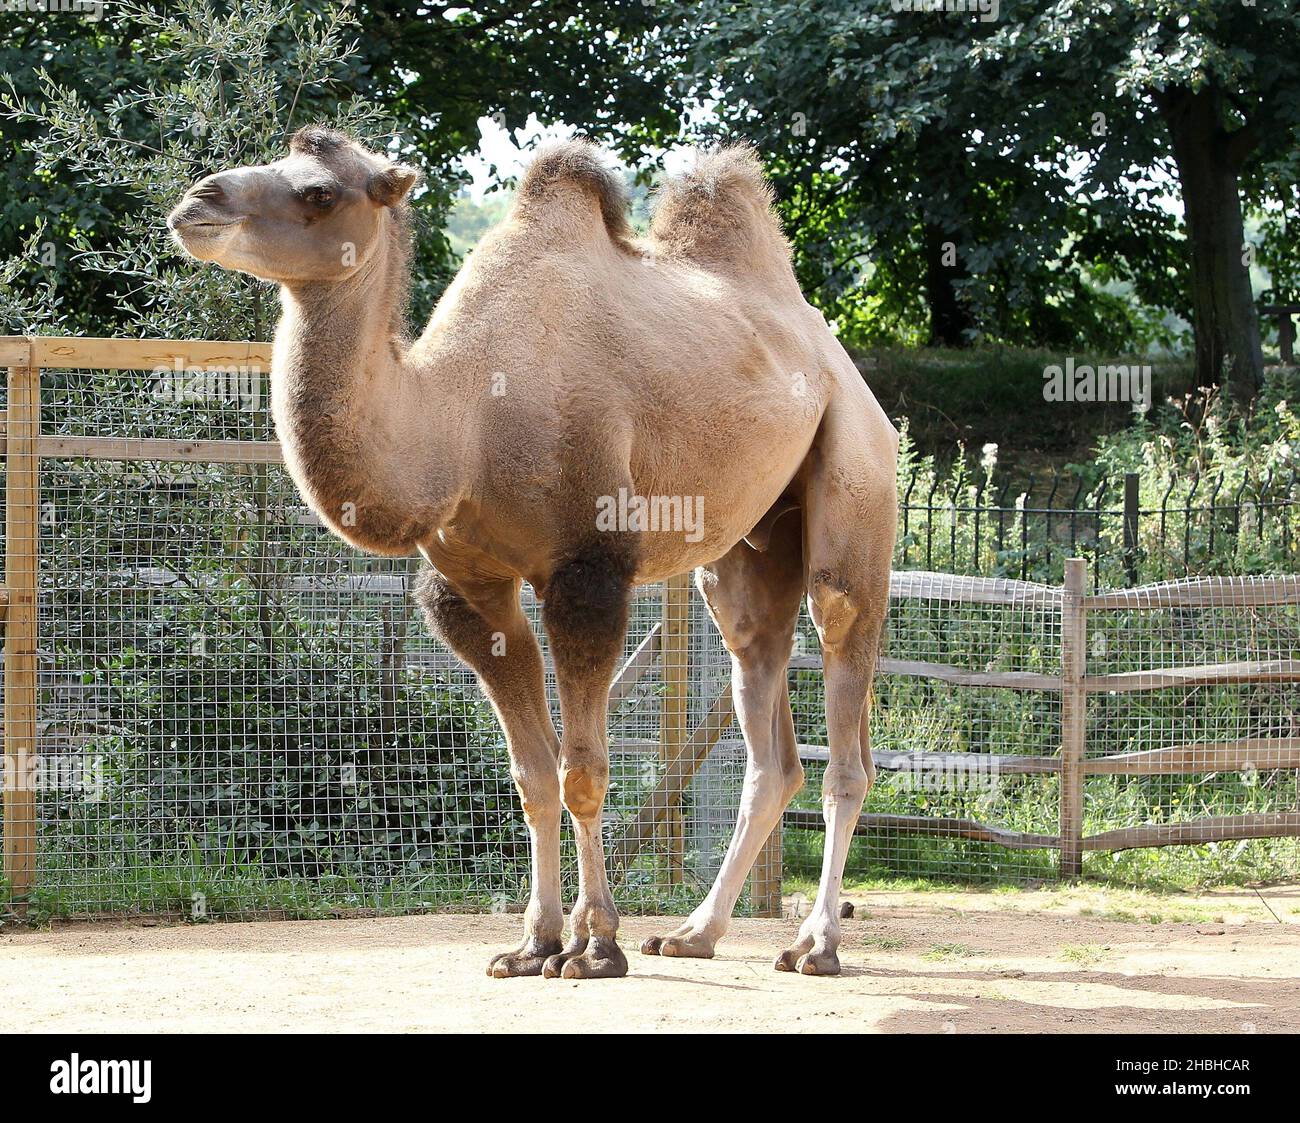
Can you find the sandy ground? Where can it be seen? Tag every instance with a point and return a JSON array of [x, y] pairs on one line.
[[950, 962]]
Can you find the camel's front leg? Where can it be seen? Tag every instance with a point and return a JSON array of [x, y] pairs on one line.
[[487, 629], [586, 618]]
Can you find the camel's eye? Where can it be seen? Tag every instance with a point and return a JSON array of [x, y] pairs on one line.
[[318, 196]]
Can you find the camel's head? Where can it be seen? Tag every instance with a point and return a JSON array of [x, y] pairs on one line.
[[315, 215]]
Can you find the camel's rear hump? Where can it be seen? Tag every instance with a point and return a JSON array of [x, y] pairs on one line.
[[571, 186], [719, 214]]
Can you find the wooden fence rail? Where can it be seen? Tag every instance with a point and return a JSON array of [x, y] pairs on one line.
[[682, 750]]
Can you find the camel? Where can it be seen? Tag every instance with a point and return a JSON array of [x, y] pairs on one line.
[[570, 362]]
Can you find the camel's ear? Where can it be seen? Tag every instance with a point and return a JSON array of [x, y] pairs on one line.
[[389, 187]]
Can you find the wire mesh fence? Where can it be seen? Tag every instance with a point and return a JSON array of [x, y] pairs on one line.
[[966, 728], [249, 717], [236, 715], [1194, 729]]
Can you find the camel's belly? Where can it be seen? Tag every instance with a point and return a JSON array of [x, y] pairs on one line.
[[704, 515]]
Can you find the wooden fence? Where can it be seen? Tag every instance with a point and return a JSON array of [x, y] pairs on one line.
[[1071, 763], [25, 446], [682, 750]]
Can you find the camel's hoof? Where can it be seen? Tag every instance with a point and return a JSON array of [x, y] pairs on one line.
[[652, 945], [808, 963], [696, 946], [602, 958], [518, 963], [554, 965], [823, 963]]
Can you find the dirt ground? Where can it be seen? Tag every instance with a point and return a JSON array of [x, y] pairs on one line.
[[1057, 961]]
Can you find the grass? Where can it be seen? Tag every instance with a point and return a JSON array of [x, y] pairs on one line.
[[941, 952], [1093, 900], [807, 884], [135, 887], [1085, 955], [1099, 899], [1167, 915], [197, 889]]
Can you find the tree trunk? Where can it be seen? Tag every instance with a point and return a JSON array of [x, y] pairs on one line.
[[1209, 162], [949, 320]]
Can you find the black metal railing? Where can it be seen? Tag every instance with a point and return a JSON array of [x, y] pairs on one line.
[[1026, 527]]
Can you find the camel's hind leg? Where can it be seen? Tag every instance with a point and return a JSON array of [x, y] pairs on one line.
[[850, 515], [754, 600]]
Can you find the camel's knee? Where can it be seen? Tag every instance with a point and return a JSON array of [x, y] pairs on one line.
[[845, 784], [833, 608], [584, 779], [764, 790], [773, 789], [539, 793]]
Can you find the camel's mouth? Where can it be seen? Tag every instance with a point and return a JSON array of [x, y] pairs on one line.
[[188, 226], [201, 234]]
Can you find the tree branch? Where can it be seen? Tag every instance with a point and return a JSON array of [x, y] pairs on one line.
[[1241, 143]]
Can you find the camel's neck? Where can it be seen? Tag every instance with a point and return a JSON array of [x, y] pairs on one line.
[[344, 397], [336, 345]]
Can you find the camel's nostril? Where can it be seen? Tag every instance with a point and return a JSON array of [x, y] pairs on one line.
[[209, 190]]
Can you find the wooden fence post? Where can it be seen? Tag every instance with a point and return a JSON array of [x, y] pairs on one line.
[[644, 827], [674, 660], [1074, 716], [765, 878], [22, 545]]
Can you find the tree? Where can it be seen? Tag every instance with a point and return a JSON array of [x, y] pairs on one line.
[[201, 88], [43, 211], [1222, 80], [440, 66], [941, 175], [948, 132], [430, 72]]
